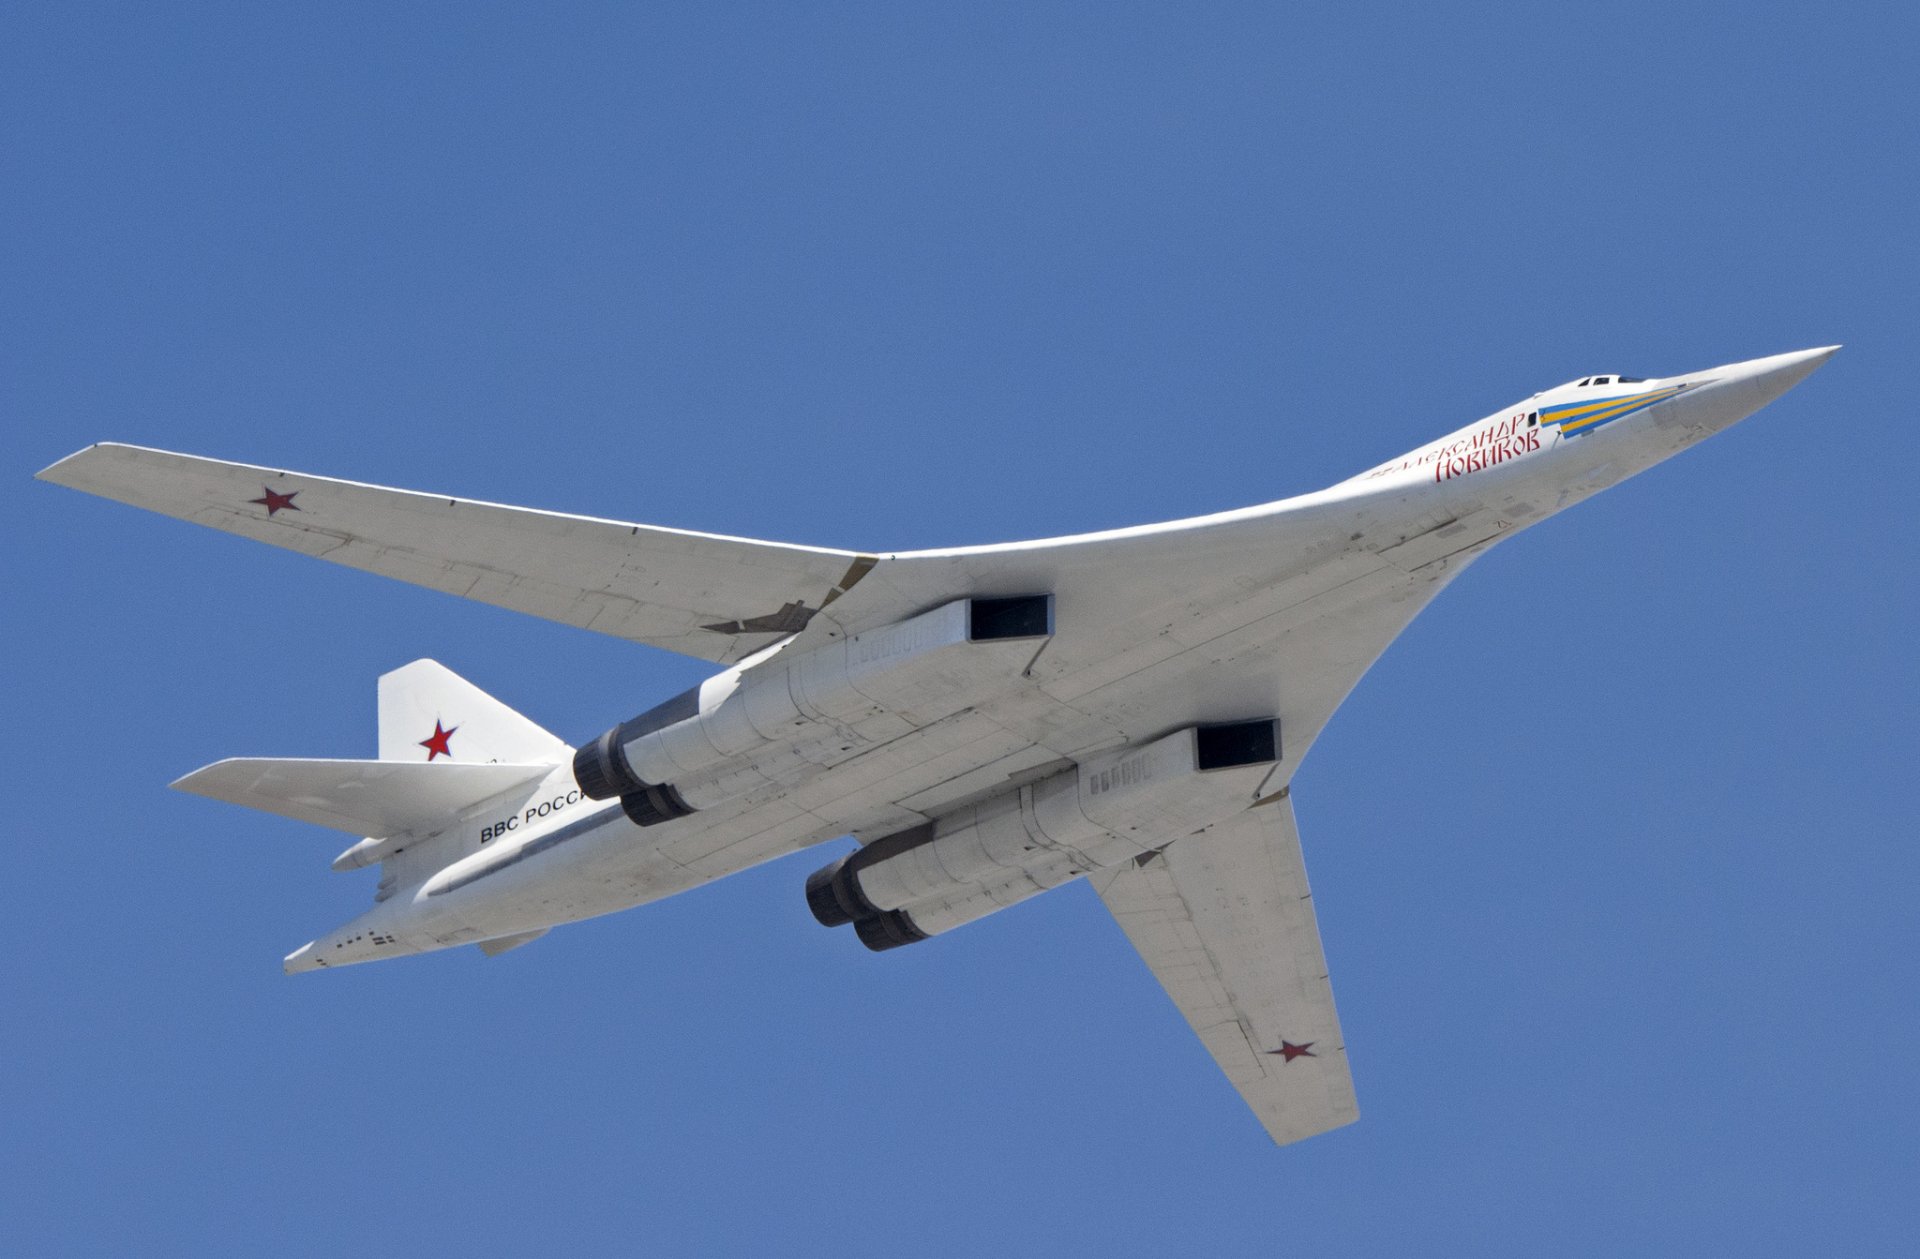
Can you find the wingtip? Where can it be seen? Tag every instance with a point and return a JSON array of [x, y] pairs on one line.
[[191, 782], [51, 473], [62, 471]]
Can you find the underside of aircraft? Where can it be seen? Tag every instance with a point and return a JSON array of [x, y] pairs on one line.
[[1129, 707]]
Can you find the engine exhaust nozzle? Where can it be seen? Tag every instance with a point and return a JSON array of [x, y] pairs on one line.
[[601, 769]]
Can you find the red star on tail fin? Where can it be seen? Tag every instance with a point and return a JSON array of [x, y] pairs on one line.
[[436, 743]]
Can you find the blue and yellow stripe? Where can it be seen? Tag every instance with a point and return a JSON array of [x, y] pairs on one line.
[[1583, 417]]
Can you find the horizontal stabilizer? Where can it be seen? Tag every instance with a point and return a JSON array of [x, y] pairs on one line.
[[360, 797]]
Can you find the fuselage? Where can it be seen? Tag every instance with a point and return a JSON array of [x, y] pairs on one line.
[[1324, 581]]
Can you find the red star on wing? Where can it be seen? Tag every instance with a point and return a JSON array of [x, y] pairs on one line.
[[436, 744], [1288, 1051], [276, 502]]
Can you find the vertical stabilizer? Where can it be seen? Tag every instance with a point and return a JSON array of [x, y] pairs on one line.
[[430, 713]]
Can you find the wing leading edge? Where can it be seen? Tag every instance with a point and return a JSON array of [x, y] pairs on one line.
[[1225, 921], [704, 595]]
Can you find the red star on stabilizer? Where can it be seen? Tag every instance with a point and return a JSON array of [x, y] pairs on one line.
[[275, 502], [1288, 1051], [436, 745]]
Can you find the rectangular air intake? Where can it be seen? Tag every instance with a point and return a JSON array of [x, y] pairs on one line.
[[1239, 743], [1022, 616]]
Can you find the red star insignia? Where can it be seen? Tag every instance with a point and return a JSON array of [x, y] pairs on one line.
[[436, 744], [275, 502], [1288, 1051]]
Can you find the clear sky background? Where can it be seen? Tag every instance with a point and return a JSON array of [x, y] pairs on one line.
[[1614, 851]]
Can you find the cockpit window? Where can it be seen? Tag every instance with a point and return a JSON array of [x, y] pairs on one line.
[[1591, 381]]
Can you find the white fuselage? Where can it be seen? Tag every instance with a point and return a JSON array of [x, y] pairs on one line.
[[1331, 576]]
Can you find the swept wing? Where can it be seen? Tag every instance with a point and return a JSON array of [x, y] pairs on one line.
[[1225, 921], [704, 595]]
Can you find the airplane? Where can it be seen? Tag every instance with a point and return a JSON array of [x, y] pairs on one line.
[[1127, 707]]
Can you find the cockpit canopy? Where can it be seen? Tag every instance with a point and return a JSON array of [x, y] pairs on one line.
[[1588, 382]]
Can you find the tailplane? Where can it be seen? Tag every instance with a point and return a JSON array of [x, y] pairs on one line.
[[377, 798], [446, 746], [448, 751]]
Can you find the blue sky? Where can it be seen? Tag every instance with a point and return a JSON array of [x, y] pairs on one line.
[[1613, 851]]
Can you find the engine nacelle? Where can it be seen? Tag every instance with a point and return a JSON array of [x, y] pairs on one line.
[[964, 866], [773, 719]]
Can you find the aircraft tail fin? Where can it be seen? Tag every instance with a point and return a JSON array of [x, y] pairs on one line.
[[430, 713], [445, 746]]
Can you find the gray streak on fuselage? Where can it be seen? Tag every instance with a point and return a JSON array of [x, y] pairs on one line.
[[533, 848]]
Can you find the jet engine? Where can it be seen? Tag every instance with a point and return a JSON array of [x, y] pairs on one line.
[[1113, 809], [771, 719]]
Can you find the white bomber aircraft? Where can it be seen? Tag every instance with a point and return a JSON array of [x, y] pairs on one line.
[[989, 722]]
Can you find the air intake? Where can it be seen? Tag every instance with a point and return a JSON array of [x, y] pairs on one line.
[[1023, 616], [1240, 743]]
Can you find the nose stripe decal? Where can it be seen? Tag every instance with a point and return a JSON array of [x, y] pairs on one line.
[[1582, 416]]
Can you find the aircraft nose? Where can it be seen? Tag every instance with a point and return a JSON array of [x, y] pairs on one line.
[[1727, 395], [1773, 376]]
